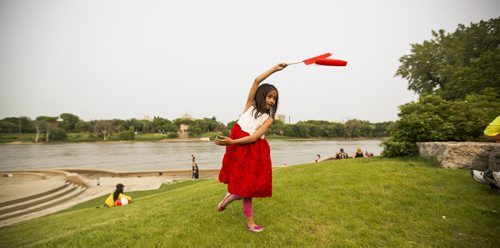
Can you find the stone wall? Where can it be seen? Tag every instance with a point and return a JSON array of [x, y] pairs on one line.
[[458, 155]]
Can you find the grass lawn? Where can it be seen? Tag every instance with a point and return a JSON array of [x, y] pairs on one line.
[[150, 137], [371, 202], [20, 137]]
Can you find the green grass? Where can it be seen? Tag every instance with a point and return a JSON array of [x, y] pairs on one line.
[[369, 202], [99, 201], [21, 137], [150, 137]]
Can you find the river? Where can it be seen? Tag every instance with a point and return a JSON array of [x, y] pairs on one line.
[[140, 156]]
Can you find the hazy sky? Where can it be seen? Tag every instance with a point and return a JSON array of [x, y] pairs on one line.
[[103, 59]]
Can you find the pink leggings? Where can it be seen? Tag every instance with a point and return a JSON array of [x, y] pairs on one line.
[[247, 207]]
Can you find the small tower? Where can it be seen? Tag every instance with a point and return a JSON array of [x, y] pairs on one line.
[[183, 129]]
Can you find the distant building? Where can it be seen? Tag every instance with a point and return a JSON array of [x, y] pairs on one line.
[[147, 118], [183, 129], [187, 116], [280, 117]]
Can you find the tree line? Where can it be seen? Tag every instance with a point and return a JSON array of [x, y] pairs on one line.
[[50, 128], [57, 127]]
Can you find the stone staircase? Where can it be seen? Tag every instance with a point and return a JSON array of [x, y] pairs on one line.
[[39, 202]]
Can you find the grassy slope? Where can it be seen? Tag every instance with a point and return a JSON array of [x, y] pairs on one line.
[[364, 202]]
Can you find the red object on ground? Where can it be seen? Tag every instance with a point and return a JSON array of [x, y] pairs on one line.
[[331, 62], [313, 59]]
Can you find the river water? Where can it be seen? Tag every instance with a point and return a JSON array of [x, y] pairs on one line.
[[140, 156]]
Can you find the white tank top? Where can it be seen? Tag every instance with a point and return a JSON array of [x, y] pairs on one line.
[[249, 123]]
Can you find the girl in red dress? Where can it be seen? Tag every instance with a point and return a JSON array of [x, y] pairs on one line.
[[246, 166]]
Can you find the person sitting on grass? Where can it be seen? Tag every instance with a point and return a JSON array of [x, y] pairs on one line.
[[341, 154], [492, 175], [117, 198], [358, 153]]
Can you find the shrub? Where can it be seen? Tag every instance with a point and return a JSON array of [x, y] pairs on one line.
[[394, 148], [128, 135], [172, 135], [58, 134]]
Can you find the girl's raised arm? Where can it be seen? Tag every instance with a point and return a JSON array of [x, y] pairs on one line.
[[259, 79]]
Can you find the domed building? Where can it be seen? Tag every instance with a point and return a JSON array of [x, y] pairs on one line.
[[187, 116], [183, 129]]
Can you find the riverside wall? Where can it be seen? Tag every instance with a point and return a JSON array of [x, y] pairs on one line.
[[458, 155]]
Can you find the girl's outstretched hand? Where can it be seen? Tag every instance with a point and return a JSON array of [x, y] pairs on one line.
[[280, 66], [223, 141]]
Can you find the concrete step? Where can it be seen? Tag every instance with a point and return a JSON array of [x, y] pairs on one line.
[[31, 197], [67, 189], [74, 192]]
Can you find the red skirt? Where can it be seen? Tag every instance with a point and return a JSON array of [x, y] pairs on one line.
[[246, 169]]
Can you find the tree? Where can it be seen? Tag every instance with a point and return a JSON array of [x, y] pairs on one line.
[[69, 122], [351, 127], [434, 119], [83, 126], [229, 127], [194, 131], [454, 65], [381, 129], [137, 124], [179, 121], [209, 125], [458, 80], [7, 126], [45, 124], [16, 125], [277, 128], [120, 125], [127, 135], [104, 127]]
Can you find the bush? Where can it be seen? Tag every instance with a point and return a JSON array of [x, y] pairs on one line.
[[434, 119], [128, 135], [399, 148], [58, 134], [172, 135], [194, 131]]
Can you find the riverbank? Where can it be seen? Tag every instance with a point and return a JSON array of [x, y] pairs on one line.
[[28, 138]]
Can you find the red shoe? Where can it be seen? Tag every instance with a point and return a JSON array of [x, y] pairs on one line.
[[255, 229]]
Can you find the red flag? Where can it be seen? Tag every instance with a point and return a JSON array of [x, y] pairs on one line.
[[322, 60], [313, 59], [331, 62]]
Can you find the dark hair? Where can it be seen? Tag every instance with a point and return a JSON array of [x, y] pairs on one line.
[[118, 191], [259, 101]]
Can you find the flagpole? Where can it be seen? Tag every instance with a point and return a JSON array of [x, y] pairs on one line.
[[294, 63]]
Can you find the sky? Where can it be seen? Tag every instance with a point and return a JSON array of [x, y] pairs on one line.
[[130, 59]]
